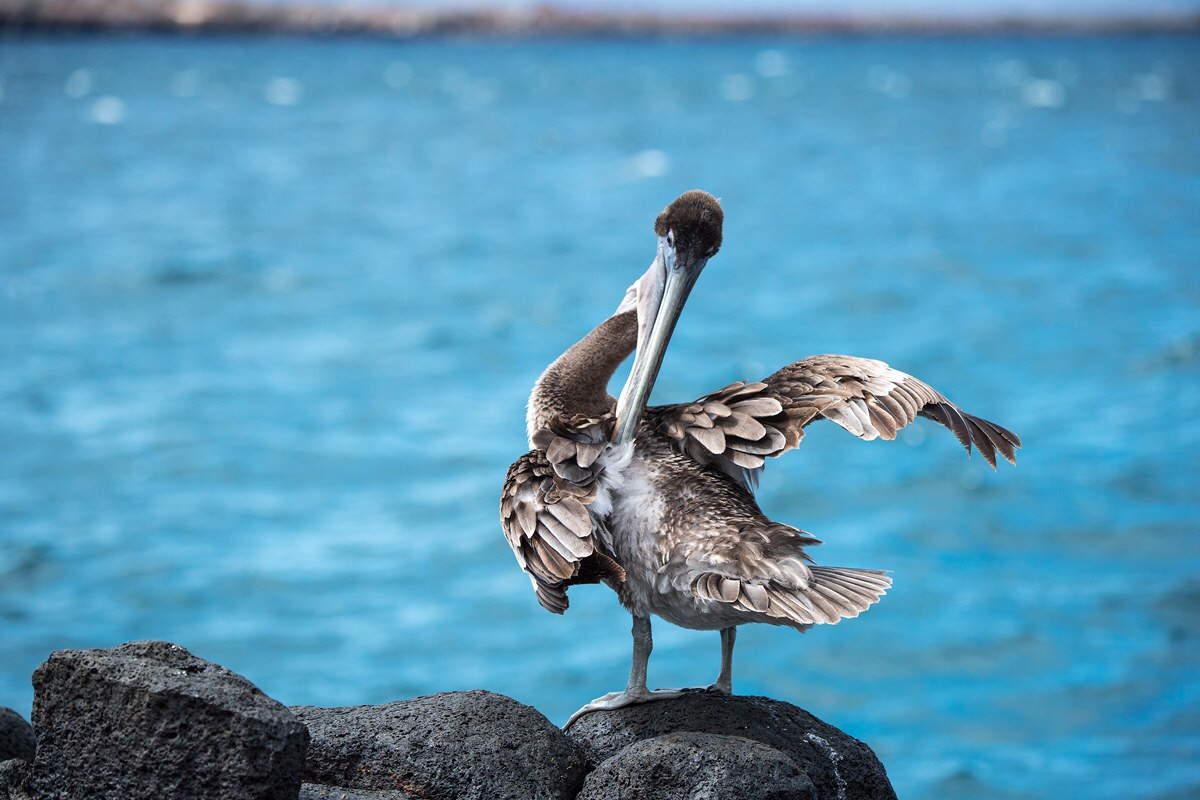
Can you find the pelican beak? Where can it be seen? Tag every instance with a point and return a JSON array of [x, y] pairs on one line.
[[661, 293]]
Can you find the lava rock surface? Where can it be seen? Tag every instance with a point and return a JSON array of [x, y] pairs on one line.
[[150, 720], [838, 765], [16, 736], [312, 791], [684, 766], [473, 745], [14, 779]]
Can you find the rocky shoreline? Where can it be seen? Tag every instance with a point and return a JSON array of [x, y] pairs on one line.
[[151, 720], [397, 20]]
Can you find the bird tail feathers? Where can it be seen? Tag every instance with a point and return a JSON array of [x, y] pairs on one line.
[[843, 592], [830, 594]]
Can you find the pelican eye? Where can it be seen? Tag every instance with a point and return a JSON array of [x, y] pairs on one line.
[[671, 239]]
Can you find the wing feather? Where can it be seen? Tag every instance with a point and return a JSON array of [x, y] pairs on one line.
[[736, 428], [546, 517], [526, 516]]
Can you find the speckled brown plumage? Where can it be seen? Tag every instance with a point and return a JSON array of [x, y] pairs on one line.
[[546, 505], [736, 428], [546, 521], [659, 504]]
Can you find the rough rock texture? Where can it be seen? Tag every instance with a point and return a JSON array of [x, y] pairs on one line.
[[683, 766], [452, 746], [838, 765], [150, 720], [311, 791], [16, 736], [14, 779]]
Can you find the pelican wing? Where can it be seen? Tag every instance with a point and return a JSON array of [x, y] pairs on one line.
[[738, 427], [547, 515], [761, 569]]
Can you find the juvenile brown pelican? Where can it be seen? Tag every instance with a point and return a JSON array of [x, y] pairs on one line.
[[658, 502]]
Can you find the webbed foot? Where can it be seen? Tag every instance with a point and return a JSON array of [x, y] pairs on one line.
[[629, 697]]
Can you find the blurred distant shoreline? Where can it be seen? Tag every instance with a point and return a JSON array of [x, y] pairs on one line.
[[232, 16]]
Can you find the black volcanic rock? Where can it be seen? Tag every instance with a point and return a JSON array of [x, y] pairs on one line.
[[16, 736], [312, 791], [150, 720], [14, 779], [681, 766], [838, 765], [472, 745]]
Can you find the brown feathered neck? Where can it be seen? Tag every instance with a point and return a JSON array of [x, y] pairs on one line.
[[577, 381]]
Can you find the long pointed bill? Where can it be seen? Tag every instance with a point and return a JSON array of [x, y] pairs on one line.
[[662, 291]]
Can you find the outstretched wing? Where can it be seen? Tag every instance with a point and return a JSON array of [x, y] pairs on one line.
[[545, 510], [738, 427]]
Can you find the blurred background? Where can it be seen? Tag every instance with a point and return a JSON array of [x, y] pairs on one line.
[[270, 307]]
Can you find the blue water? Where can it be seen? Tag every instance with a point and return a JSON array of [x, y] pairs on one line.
[[270, 309]]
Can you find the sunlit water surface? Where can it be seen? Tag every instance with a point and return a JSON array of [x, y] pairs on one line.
[[269, 311]]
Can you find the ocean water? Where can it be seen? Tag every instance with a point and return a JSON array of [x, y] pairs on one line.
[[270, 310]]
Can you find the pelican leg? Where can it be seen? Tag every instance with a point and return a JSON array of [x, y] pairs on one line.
[[724, 684], [635, 691], [643, 645]]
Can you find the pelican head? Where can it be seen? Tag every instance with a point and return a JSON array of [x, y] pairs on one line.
[[689, 234]]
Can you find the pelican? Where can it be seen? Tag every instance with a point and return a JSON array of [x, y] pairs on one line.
[[658, 502]]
